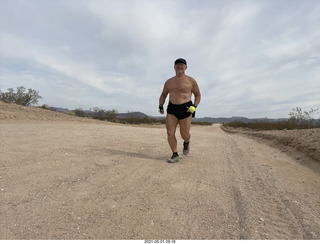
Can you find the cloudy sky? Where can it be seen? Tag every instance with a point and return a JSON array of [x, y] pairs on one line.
[[255, 58]]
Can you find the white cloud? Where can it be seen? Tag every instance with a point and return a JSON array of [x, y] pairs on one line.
[[250, 58], [287, 49], [81, 71]]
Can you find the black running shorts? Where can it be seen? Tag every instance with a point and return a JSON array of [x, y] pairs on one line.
[[180, 110]]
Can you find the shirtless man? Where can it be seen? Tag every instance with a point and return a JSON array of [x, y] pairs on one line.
[[180, 108]]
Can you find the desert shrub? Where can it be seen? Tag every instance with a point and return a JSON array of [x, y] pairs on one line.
[[150, 120], [139, 120], [298, 120], [303, 119], [111, 114], [20, 96], [79, 112], [44, 106], [101, 114], [200, 123], [260, 125], [97, 113]]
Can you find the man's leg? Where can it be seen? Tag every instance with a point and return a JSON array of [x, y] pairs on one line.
[[171, 124], [185, 125]]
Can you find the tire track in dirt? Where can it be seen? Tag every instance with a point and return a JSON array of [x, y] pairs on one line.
[[257, 194]]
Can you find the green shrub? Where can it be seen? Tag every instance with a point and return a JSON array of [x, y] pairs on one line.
[[20, 96]]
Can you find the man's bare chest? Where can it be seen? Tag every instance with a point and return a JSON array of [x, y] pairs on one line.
[[180, 86]]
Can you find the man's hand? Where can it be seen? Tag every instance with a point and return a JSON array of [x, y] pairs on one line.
[[161, 110], [191, 109]]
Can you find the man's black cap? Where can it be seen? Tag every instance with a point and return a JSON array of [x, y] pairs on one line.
[[180, 61]]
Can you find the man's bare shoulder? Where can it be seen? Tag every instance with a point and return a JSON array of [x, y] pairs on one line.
[[191, 79], [170, 80]]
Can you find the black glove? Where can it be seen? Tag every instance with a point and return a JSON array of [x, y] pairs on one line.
[[161, 110]]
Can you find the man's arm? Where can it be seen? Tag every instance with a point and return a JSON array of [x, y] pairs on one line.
[[164, 94], [196, 93], [163, 97]]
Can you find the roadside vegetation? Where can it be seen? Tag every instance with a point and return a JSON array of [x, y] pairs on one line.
[[111, 115], [30, 97], [298, 120]]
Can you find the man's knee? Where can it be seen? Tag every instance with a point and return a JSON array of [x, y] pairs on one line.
[[185, 135], [170, 132]]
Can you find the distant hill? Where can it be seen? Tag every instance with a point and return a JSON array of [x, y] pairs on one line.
[[89, 113], [131, 115], [60, 110]]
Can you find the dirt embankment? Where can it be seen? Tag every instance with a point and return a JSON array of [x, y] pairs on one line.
[[13, 112], [306, 141]]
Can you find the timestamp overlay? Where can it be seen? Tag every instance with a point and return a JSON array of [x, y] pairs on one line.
[[169, 241], [160, 241]]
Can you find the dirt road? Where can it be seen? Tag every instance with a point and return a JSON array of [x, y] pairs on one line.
[[81, 180]]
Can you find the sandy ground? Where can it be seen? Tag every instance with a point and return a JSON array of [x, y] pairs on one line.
[[63, 177]]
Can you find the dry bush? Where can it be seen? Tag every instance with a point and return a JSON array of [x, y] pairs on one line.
[[21, 96]]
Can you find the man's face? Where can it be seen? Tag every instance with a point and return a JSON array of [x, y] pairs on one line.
[[180, 68]]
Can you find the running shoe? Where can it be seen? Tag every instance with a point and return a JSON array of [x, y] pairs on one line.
[[174, 158], [186, 148]]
